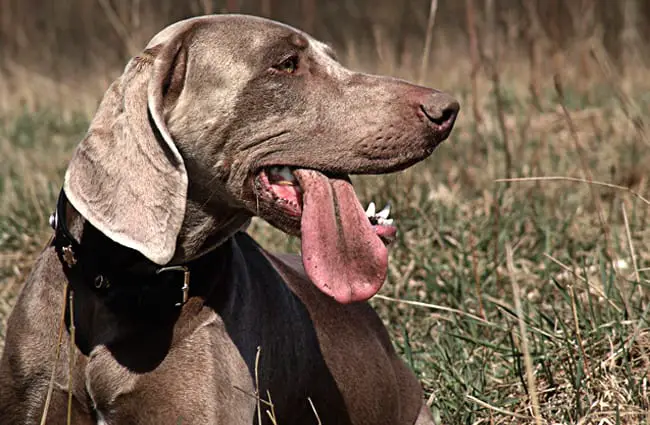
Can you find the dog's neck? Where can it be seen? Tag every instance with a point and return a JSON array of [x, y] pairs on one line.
[[200, 236], [207, 225], [133, 294]]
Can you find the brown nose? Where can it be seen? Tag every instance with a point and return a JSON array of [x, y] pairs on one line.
[[441, 109]]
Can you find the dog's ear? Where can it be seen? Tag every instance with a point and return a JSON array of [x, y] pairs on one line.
[[127, 176]]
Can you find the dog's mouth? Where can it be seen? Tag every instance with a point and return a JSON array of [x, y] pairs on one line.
[[343, 247], [284, 190]]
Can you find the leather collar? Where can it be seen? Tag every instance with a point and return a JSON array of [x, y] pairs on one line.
[[122, 277]]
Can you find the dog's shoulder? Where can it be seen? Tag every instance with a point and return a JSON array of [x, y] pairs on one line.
[[31, 329]]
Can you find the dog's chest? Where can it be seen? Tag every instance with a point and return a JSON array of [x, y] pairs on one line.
[[182, 386]]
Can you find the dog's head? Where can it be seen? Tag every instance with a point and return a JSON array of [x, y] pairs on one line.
[[245, 116]]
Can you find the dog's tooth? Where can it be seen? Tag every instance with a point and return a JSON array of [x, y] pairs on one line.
[[384, 221], [385, 212], [370, 212]]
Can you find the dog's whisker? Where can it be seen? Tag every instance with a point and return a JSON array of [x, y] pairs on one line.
[[260, 140]]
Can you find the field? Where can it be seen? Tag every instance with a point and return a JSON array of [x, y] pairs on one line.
[[519, 286]]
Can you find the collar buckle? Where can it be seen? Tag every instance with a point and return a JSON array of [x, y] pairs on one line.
[[185, 289]]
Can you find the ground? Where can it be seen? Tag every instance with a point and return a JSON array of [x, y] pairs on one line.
[[514, 302]]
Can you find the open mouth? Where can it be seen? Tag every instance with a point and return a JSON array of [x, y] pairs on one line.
[[343, 246], [281, 187]]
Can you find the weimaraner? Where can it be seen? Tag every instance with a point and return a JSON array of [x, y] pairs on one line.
[[219, 119]]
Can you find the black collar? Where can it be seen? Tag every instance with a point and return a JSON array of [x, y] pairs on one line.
[[122, 277]]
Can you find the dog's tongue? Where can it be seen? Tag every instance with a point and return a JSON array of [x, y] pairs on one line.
[[341, 252]]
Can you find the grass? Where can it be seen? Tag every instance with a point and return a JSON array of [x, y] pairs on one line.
[[514, 302]]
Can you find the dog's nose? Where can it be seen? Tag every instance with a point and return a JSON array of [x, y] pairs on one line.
[[441, 109]]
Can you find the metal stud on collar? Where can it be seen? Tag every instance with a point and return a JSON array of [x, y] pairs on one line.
[[53, 220], [68, 256], [101, 282]]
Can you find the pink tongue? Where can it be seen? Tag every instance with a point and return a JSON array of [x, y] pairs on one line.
[[341, 252]]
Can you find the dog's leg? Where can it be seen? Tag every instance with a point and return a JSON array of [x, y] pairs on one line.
[[28, 357], [24, 404]]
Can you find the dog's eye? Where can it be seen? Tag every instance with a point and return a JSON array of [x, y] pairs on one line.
[[289, 65]]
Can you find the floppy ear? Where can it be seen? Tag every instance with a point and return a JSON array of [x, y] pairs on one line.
[[127, 178]]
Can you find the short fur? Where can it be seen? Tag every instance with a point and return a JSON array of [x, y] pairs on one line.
[[165, 174]]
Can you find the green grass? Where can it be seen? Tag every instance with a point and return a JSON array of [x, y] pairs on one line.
[[464, 240]]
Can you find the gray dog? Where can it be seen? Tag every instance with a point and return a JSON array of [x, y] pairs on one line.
[[219, 119]]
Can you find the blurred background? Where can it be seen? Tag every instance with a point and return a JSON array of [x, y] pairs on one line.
[[516, 301], [69, 42]]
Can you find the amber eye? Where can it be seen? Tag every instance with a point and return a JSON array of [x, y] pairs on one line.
[[289, 65]]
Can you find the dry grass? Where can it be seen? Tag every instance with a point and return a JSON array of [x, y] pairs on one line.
[[518, 302]]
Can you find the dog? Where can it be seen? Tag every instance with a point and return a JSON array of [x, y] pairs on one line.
[[151, 305]]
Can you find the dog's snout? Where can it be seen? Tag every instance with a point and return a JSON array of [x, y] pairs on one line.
[[441, 110]]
